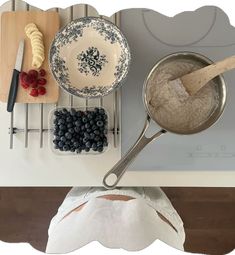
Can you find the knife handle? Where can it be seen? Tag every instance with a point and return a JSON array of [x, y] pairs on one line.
[[13, 90]]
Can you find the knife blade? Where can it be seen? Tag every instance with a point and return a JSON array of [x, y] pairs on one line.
[[15, 77]]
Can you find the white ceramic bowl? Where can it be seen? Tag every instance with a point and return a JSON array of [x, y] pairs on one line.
[[89, 57]]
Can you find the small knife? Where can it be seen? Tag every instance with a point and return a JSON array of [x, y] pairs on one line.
[[15, 77]]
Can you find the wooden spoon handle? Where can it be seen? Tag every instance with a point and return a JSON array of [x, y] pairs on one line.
[[196, 80]]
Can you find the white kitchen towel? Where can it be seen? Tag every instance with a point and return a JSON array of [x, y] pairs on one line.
[[131, 225]]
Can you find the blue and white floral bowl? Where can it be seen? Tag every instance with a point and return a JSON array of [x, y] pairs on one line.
[[89, 57]]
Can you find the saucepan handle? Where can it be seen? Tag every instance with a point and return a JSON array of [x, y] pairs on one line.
[[120, 167]]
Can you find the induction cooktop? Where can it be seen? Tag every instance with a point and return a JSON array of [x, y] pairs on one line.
[[152, 36]]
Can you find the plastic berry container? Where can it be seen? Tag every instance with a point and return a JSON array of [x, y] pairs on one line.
[[79, 131]]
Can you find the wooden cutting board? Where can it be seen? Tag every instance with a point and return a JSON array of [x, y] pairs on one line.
[[12, 31]]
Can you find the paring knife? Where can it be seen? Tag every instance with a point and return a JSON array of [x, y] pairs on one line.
[[15, 77]]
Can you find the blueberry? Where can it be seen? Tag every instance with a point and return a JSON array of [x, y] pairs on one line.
[[60, 133], [96, 110], [64, 110], [82, 127], [62, 127], [63, 138], [67, 142], [69, 119], [55, 141], [101, 130], [57, 138], [87, 149], [97, 138], [72, 149], [68, 135], [84, 120], [55, 121], [86, 135], [89, 130], [70, 125], [73, 112], [79, 150], [92, 122], [61, 121], [87, 125], [76, 144], [98, 117], [56, 113], [90, 116], [73, 140], [66, 147], [101, 111], [88, 144], [92, 135], [94, 127], [61, 144], [85, 139], [79, 113], [56, 146], [77, 129], [71, 130], [82, 147], [94, 149], [99, 144], [96, 132], [56, 126], [100, 149], [78, 123], [100, 123], [56, 132]]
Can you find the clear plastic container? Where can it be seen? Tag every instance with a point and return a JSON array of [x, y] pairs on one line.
[[51, 136]]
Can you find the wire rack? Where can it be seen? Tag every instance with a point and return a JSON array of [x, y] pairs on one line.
[[112, 100]]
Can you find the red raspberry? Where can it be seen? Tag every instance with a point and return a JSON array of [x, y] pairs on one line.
[[42, 91], [33, 73], [28, 80], [42, 72], [42, 81], [25, 86], [34, 84], [22, 74], [34, 93], [32, 78]]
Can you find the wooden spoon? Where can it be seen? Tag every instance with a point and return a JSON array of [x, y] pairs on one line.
[[196, 80]]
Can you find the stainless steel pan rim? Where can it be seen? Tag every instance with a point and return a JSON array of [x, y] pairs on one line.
[[120, 167]]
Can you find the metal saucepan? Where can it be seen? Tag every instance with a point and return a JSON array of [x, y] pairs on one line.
[[120, 167]]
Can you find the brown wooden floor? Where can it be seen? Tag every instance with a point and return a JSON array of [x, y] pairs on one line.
[[208, 215]]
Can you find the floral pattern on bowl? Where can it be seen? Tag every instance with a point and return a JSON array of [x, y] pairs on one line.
[[91, 61], [90, 57]]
